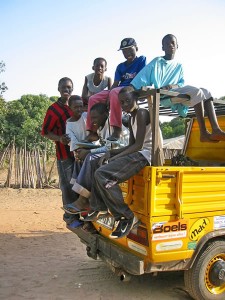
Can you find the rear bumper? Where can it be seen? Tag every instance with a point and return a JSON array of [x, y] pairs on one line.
[[116, 257]]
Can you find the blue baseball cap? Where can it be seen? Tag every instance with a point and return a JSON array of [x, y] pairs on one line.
[[127, 42]]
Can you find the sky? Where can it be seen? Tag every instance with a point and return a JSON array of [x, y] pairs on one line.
[[45, 40]]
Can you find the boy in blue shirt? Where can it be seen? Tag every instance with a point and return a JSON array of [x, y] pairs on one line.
[[166, 73], [124, 74]]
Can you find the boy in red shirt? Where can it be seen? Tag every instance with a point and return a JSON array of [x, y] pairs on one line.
[[54, 128]]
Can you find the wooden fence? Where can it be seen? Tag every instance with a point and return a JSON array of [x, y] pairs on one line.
[[26, 169]]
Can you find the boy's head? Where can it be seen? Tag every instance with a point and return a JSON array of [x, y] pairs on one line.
[[128, 98], [99, 65], [169, 44], [129, 48], [99, 114], [65, 88], [76, 105]]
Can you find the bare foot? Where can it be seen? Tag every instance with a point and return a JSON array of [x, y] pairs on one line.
[[207, 138], [218, 135], [81, 202]]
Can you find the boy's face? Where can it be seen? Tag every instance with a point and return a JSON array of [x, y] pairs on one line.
[[65, 89], [97, 119], [170, 45], [127, 102], [130, 53], [77, 108], [99, 67]]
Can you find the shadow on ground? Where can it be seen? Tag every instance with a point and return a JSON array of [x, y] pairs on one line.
[[48, 265]]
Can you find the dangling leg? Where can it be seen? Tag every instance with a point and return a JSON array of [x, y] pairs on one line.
[[217, 133], [115, 114], [205, 136]]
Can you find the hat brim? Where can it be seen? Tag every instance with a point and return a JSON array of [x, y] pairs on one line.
[[127, 47]]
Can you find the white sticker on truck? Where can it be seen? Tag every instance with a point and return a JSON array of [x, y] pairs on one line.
[[137, 248], [219, 222], [168, 246]]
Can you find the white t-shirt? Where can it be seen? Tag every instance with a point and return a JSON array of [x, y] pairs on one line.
[[76, 130]]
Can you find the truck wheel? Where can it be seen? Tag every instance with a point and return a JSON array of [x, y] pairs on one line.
[[206, 279]]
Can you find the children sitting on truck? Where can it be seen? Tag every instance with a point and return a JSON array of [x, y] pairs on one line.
[[97, 81], [120, 165], [82, 181], [166, 73], [124, 73]]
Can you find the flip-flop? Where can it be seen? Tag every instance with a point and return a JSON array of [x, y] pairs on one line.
[[112, 139], [73, 210], [76, 224]]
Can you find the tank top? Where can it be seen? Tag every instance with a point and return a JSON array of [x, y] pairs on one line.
[[94, 89], [147, 145]]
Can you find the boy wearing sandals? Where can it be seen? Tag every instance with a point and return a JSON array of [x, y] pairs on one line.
[[83, 180]]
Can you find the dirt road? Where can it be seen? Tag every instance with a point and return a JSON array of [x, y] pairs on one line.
[[40, 259]]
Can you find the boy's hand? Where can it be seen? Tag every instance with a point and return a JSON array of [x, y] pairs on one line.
[[104, 158], [167, 87], [81, 154], [170, 87], [64, 139]]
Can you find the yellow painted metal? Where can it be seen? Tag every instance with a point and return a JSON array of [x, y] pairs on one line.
[[215, 290], [178, 205], [209, 152]]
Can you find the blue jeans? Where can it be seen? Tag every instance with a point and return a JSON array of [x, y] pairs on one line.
[[83, 182], [65, 170], [106, 193]]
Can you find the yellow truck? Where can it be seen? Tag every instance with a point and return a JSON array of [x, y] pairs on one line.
[[182, 214]]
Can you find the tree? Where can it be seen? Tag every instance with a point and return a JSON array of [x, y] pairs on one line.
[[23, 119], [175, 127], [3, 87], [3, 111]]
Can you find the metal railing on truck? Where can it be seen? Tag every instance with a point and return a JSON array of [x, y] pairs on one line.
[[150, 98]]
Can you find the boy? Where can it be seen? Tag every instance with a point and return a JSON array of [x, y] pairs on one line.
[[97, 81], [125, 72], [82, 184], [122, 164], [54, 128], [166, 73], [76, 125], [76, 129]]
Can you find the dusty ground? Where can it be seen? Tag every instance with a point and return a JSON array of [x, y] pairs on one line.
[[40, 259]]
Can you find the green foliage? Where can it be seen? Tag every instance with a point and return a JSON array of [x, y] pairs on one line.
[[53, 98], [3, 86], [175, 127], [222, 98], [22, 120]]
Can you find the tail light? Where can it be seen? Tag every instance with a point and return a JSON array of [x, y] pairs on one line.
[[139, 234]]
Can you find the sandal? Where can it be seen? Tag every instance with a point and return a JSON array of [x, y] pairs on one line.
[[88, 227], [73, 210]]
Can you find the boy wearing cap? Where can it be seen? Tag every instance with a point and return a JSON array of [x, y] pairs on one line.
[[124, 74]]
